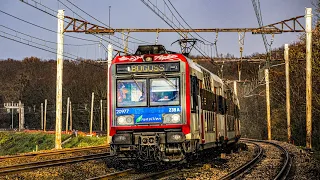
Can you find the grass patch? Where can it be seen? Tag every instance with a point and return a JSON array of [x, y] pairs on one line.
[[20, 142], [84, 141]]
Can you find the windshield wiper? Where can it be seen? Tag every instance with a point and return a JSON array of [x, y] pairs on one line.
[[168, 81], [135, 81]]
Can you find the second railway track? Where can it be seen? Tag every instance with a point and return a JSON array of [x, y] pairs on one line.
[[7, 170], [53, 152], [247, 171]]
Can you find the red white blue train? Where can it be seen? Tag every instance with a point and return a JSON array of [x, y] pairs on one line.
[[165, 107]]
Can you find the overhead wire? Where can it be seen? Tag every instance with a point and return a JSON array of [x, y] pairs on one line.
[[142, 41], [33, 42], [53, 15], [186, 22], [33, 37], [41, 27], [175, 29], [70, 58], [119, 46], [196, 47], [39, 38], [257, 9]]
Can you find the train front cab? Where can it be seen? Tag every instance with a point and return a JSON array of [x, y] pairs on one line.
[[149, 120]]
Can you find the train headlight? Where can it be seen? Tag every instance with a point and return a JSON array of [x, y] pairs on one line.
[[171, 118], [122, 139], [175, 137], [125, 120]]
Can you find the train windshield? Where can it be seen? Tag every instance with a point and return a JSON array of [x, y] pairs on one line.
[[131, 93], [164, 91]]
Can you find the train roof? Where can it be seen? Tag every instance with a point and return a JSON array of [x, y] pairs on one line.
[[199, 68]]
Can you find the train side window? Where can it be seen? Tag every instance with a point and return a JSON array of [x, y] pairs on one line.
[[207, 81], [194, 92]]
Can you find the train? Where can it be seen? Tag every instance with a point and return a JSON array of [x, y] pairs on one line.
[[166, 108]]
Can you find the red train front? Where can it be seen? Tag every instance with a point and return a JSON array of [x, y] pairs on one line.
[[154, 111]]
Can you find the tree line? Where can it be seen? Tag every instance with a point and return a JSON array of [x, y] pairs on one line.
[[33, 80]]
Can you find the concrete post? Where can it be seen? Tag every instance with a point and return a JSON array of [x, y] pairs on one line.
[[59, 79], [41, 116], [45, 115], [70, 116], [286, 58], [101, 115], [309, 77], [266, 73], [91, 114], [20, 116], [110, 49], [67, 116]]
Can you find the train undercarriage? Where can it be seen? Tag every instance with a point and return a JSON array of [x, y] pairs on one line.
[[167, 146]]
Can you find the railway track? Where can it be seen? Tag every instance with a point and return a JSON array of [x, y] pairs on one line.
[[54, 152], [7, 170], [132, 174], [244, 169]]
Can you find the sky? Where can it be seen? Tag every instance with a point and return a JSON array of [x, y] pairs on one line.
[[135, 14]]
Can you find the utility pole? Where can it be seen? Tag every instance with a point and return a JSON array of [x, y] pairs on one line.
[[70, 116], [45, 115], [12, 115], [59, 79], [101, 116], [91, 117], [67, 118], [235, 90], [286, 58], [41, 116], [266, 74], [309, 77], [109, 18], [20, 116], [108, 92]]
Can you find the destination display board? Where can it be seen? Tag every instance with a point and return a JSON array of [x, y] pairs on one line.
[[148, 67]]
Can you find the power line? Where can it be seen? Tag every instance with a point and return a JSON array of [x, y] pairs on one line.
[[33, 42], [162, 17], [104, 23], [91, 34], [46, 41], [257, 10], [37, 47], [36, 7], [187, 23], [196, 47], [70, 58], [41, 27]]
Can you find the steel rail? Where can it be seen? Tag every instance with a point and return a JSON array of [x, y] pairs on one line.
[[48, 163], [246, 167], [114, 175], [287, 162], [54, 152], [158, 175]]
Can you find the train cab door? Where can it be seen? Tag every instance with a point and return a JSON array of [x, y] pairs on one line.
[[195, 108], [220, 115], [216, 111]]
